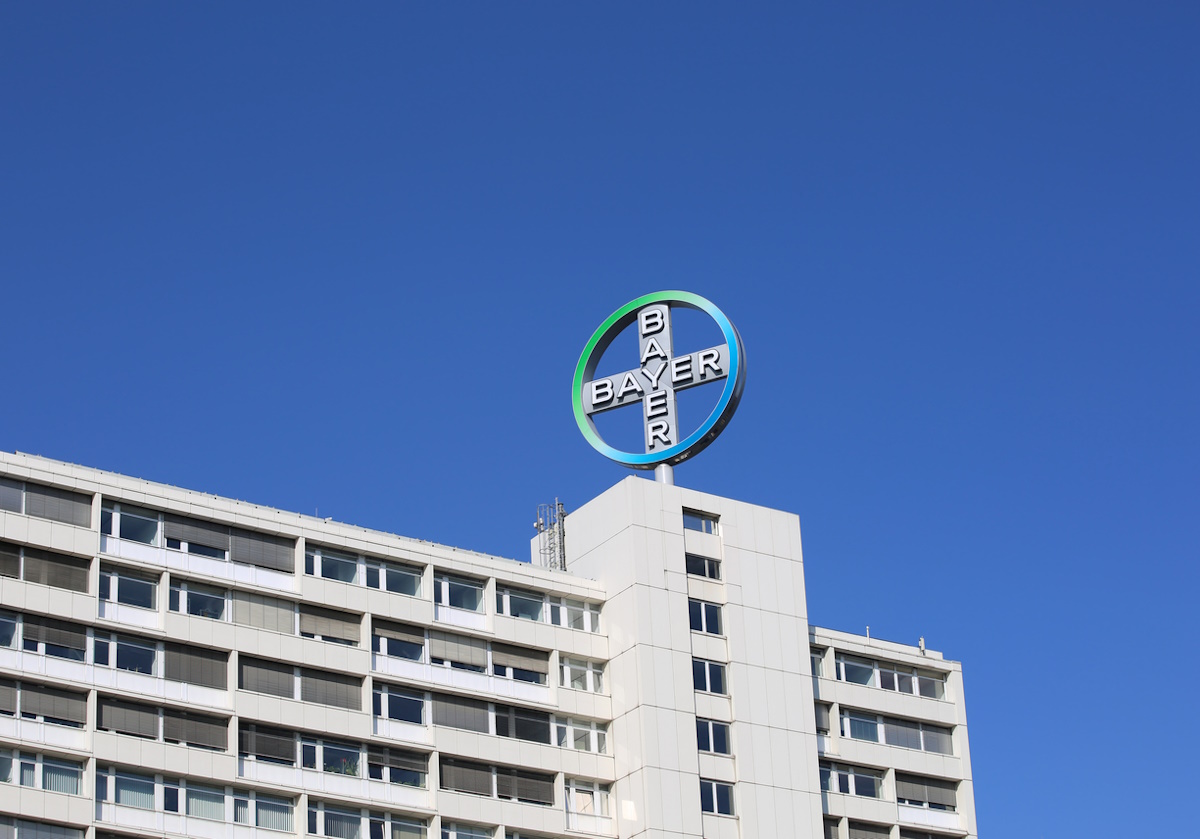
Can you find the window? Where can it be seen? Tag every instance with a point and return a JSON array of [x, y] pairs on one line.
[[204, 802], [851, 780], [387, 826], [398, 579], [519, 604], [47, 503], [890, 676], [458, 592], [397, 766], [856, 670], [331, 757], [47, 704], [61, 639], [522, 724], [197, 599], [701, 522], [330, 625], [816, 660], [579, 674], [44, 567], [821, 711], [273, 813], [708, 676], [393, 703], [262, 742], [702, 566], [907, 734], [332, 565], [586, 798], [465, 831], [458, 651], [129, 587], [133, 791], [398, 640], [136, 655], [930, 793], [705, 617], [575, 614], [39, 772], [324, 820], [125, 521], [581, 735], [716, 797], [712, 736], [8, 629], [520, 663]]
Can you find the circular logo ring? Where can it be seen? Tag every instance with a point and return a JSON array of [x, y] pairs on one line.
[[698, 440]]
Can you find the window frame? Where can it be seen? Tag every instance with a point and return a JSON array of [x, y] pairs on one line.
[[709, 568], [706, 731], [715, 789], [703, 614], [708, 664]]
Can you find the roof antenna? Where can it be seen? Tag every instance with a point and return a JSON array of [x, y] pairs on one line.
[[921, 644], [868, 632]]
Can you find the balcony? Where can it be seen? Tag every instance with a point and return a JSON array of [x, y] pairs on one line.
[[132, 615], [62, 736], [926, 817], [399, 730], [196, 564], [459, 617], [589, 823], [333, 784], [466, 680]]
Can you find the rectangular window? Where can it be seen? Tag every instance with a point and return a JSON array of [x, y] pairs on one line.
[[519, 604], [701, 522], [205, 803], [857, 671], [332, 565], [135, 655], [398, 579], [397, 766], [458, 592], [587, 798], [575, 614], [716, 797], [704, 617], [399, 640], [581, 735], [128, 587], [816, 660], [702, 566], [261, 742], [395, 704], [273, 813], [579, 674], [860, 726], [134, 791], [930, 793], [708, 676], [60, 505], [851, 780], [197, 599], [522, 724], [712, 736], [52, 569], [520, 663], [62, 776]]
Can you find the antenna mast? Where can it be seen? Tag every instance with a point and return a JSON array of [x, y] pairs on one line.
[[552, 537]]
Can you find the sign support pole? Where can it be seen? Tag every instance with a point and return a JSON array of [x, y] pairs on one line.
[[664, 473]]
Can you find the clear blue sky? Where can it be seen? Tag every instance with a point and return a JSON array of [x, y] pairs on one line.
[[345, 258]]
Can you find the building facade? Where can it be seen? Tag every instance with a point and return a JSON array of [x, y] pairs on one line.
[[177, 664]]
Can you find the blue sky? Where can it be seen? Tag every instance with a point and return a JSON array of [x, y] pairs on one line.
[[345, 258]]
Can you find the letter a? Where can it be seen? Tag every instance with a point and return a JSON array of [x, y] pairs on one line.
[[652, 349], [629, 383]]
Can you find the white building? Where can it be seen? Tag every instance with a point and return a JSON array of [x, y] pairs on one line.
[[177, 664]]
